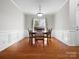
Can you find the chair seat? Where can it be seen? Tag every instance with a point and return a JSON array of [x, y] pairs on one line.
[[39, 34]]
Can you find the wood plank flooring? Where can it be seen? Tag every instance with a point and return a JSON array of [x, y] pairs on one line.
[[55, 50]]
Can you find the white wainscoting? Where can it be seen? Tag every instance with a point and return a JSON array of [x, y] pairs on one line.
[[7, 38], [68, 37], [62, 35], [77, 37], [72, 38]]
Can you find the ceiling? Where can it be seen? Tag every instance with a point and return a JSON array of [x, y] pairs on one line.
[[32, 6]]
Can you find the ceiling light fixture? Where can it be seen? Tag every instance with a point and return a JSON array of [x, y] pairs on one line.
[[39, 14]]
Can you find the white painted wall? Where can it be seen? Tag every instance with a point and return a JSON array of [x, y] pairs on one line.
[[50, 21], [62, 18], [27, 23], [74, 20], [77, 17], [77, 22], [65, 24], [11, 24], [62, 24], [72, 10], [10, 17]]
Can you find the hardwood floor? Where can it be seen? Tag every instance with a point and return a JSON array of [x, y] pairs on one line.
[[55, 50]]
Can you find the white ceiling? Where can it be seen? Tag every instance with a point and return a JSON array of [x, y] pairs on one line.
[[47, 6]]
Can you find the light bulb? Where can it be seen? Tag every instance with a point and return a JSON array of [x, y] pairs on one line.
[[39, 14]]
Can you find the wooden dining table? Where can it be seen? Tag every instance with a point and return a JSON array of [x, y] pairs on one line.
[[38, 35]]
